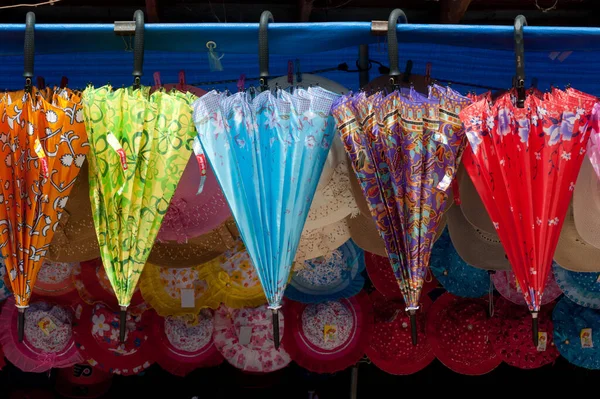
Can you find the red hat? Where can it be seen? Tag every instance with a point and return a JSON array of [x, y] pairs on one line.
[[93, 286], [512, 339], [184, 343], [390, 347], [82, 381], [48, 337], [461, 333], [330, 336], [54, 282], [382, 276], [97, 336]]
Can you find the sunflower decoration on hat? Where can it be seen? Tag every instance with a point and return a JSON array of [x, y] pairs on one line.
[[512, 336], [460, 332], [583, 288], [48, 337], [328, 278], [577, 333], [55, 283], [185, 342], [330, 336], [390, 346]]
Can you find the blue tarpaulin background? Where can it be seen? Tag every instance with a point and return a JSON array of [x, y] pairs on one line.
[[480, 55]]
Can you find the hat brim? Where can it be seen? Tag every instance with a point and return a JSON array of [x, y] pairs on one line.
[[573, 290], [586, 204], [472, 206], [319, 360], [573, 252]]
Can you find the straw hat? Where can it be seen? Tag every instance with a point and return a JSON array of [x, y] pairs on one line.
[[475, 246], [323, 241], [75, 237], [586, 204], [572, 252], [197, 250], [472, 205]]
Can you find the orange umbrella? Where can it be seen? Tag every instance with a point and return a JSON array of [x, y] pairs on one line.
[[43, 145]]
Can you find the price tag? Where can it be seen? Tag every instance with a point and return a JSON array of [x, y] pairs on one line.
[[46, 325], [542, 341], [329, 333], [188, 299], [586, 338], [115, 145]]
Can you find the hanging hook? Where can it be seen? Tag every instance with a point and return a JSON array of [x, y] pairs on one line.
[[395, 16], [519, 83], [29, 51], [263, 49], [138, 54]]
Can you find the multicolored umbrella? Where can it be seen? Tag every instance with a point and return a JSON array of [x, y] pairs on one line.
[[268, 153], [524, 163], [43, 145], [140, 146], [405, 150]]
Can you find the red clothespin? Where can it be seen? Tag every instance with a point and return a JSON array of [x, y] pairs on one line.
[[157, 81], [41, 82], [181, 85], [290, 74], [241, 83], [428, 74], [456, 192], [64, 81]]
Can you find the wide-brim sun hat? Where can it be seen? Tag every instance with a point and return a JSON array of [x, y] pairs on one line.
[[507, 285], [586, 204], [583, 288], [54, 282], [573, 252]]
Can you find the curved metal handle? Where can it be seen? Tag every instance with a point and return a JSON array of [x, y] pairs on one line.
[[263, 49], [520, 21], [395, 16], [138, 54], [29, 50]]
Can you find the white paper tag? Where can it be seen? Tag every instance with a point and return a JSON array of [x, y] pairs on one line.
[[445, 183], [245, 335], [542, 341], [187, 298], [586, 338]]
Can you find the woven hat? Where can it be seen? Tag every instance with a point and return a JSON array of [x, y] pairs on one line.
[[323, 241], [75, 237], [245, 339], [92, 284], [573, 252], [577, 333], [471, 204], [54, 282], [460, 333], [196, 250], [475, 246], [454, 274], [47, 341], [390, 347], [232, 280], [192, 214], [82, 381], [328, 278], [586, 204], [330, 336], [583, 288], [506, 284], [512, 338], [173, 292], [5, 291], [97, 337], [185, 343], [382, 276]]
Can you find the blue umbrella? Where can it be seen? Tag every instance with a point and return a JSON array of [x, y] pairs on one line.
[[268, 153]]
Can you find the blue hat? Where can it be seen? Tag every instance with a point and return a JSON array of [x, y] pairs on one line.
[[571, 325], [4, 290], [454, 274], [583, 288], [328, 278]]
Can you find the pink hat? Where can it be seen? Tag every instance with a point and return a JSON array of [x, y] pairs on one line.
[[97, 336], [92, 283], [506, 284], [184, 344], [461, 333], [245, 339], [190, 213], [48, 340], [382, 276], [512, 337], [330, 336], [390, 347], [54, 282]]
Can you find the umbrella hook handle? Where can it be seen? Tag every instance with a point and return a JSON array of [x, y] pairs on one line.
[[29, 50], [138, 52], [263, 49], [395, 16], [519, 82]]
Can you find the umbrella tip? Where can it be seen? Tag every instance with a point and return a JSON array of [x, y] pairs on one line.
[[534, 328], [276, 340], [21, 324], [122, 323], [413, 326]]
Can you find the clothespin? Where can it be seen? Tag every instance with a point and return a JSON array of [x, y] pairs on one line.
[[64, 81], [290, 72], [181, 85], [428, 74], [241, 83], [41, 82], [298, 72], [157, 81]]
